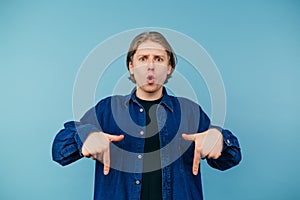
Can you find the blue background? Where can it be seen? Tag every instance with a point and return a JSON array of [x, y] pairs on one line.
[[255, 44]]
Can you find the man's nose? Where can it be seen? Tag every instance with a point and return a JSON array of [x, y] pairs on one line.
[[150, 65]]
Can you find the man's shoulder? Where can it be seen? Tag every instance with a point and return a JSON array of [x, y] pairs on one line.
[[113, 99], [184, 104], [183, 100]]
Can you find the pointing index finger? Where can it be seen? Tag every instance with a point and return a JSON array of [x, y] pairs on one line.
[[106, 162], [197, 159], [197, 152]]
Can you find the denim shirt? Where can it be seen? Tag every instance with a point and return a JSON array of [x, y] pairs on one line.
[[118, 115]]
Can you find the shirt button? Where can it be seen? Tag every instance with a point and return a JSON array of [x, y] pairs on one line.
[[228, 141], [137, 182], [141, 109], [142, 132], [140, 156]]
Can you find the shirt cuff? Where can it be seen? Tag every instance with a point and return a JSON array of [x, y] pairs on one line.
[[228, 138]]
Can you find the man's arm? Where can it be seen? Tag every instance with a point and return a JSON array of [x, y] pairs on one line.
[[84, 139], [219, 146], [231, 152], [68, 142]]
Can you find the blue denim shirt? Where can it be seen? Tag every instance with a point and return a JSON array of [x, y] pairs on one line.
[[124, 115]]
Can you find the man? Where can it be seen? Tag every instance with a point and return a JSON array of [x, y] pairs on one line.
[[148, 144]]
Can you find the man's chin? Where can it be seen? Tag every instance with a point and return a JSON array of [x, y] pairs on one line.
[[151, 88]]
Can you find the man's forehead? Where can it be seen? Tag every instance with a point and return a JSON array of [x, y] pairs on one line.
[[150, 50], [149, 45]]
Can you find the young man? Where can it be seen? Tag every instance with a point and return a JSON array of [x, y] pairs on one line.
[[148, 144]]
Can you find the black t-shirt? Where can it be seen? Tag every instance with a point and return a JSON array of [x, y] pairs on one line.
[[151, 180]]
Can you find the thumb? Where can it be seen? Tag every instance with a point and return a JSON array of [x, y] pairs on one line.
[[115, 138], [189, 137]]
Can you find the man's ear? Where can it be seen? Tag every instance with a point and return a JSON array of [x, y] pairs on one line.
[[130, 67], [170, 69]]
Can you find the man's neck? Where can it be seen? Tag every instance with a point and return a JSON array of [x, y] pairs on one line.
[[149, 96]]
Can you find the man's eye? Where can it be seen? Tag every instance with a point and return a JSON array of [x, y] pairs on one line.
[[142, 59], [159, 59]]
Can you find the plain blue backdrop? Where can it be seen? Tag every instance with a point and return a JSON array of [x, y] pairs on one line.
[[255, 44]]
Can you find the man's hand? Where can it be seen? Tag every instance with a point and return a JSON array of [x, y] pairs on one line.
[[97, 146], [207, 144]]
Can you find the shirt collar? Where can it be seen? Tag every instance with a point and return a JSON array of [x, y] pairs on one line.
[[165, 101]]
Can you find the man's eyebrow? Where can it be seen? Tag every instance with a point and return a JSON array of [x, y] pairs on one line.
[[146, 54], [161, 55]]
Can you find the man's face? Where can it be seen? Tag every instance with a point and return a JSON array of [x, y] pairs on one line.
[[150, 66]]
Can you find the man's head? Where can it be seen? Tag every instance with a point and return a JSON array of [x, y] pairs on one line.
[[154, 37]]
